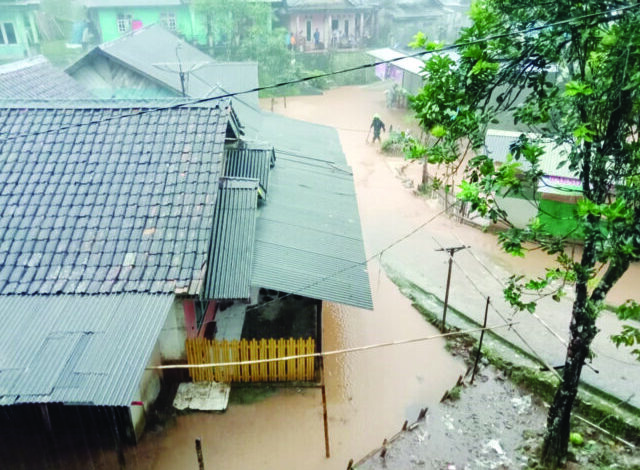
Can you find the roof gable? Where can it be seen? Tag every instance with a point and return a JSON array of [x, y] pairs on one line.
[[104, 200]]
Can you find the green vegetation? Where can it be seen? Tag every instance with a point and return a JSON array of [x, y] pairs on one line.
[[246, 395], [574, 83]]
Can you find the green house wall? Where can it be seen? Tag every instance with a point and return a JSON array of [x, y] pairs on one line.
[[188, 24], [23, 21], [559, 218]]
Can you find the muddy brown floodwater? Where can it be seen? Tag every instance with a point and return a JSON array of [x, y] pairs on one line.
[[369, 395]]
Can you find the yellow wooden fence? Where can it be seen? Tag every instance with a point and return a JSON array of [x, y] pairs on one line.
[[205, 351]]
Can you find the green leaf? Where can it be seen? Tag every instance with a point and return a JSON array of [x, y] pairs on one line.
[[438, 131], [575, 87]]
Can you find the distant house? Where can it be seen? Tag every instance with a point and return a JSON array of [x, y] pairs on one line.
[[440, 20], [553, 199], [37, 78], [153, 62], [113, 19], [18, 32], [407, 72], [339, 23]]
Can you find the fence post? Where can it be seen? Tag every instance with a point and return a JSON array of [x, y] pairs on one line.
[[452, 251], [199, 454], [484, 325]]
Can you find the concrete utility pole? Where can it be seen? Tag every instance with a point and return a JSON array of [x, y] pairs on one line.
[[452, 251]]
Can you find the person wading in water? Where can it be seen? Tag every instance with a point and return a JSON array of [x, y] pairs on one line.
[[377, 125]]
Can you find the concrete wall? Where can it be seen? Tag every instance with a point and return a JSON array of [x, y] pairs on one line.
[[173, 335], [520, 210], [148, 392]]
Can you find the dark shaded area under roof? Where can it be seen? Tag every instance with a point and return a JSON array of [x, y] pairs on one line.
[[85, 350], [106, 199], [37, 78]]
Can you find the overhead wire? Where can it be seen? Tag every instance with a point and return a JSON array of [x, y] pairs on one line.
[[304, 290], [524, 341], [328, 353], [537, 317], [421, 54]]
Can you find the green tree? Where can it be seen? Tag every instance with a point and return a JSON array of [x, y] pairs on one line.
[[568, 72], [242, 30]]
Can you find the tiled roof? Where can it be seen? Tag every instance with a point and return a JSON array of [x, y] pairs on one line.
[[106, 200], [77, 349], [37, 78]]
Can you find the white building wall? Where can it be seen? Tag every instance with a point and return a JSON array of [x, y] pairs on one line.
[[173, 335], [520, 211], [147, 394]]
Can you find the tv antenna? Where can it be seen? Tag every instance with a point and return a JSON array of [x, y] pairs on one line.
[[177, 67]]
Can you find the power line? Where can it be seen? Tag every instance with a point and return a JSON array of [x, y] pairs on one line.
[[524, 341], [420, 54]]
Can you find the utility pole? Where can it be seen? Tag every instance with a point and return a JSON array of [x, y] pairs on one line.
[[452, 251]]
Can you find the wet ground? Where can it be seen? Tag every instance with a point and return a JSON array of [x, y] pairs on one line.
[[488, 427], [369, 396]]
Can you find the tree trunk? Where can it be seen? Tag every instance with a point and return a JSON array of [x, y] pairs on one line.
[[556, 441]]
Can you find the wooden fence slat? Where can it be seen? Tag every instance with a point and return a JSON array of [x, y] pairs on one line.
[[204, 351]]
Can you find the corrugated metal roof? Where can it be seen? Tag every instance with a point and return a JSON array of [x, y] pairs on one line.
[[77, 349], [308, 234], [250, 163], [497, 146], [413, 65], [231, 254]]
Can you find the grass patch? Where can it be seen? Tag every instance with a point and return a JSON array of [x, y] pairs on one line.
[[250, 395]]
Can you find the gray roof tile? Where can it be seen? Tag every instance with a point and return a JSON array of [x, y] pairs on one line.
[[71, 217], [37, 78]]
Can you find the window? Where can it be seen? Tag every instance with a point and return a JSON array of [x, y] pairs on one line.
[[7, 34], [309, 30], [346, 28], [124, 23], [169, 20]]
